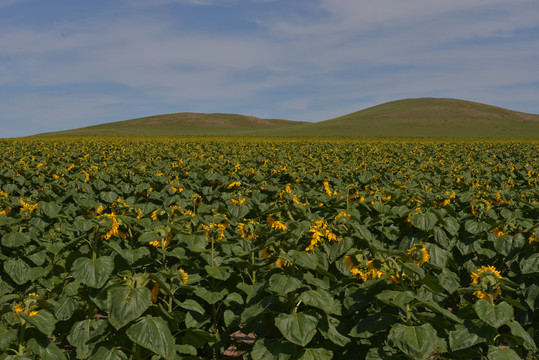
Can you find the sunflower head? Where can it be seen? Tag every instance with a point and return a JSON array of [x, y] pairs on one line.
[[419, 254], [487, 277]]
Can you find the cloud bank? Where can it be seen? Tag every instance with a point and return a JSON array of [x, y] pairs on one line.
[[65, 67]]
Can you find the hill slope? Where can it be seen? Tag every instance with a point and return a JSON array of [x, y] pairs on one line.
[[427, 117], [190, 124], [431, 117]]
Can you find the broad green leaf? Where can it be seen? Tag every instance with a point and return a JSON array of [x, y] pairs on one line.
[[418, 342], [466, 336], [126, 305], [198, 337], [7, 336], [518, 331], [498, 353], [51, 208], [284, 284], [17, 270], [43, 320], [492, 314], [438, 256], [322, 300], [304, 259], [109, 196], [372, 324], [425, 221], [104, 353], [298, 328], [93, 272], [449, 280], [211, 296], [530, 264], [15, 239], [219, 273], [153, 334], [451, 225], [440, 310], [192, 305], [81, 332], [316, 354], [396, 298], [186, 349], [328, 328], [272, 350], [45, 349], [475, 227], [65, 307]]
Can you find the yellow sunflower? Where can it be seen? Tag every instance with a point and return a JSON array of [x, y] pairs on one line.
[[487, 277]]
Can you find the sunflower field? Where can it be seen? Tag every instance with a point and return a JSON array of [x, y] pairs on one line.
[[168, 248]]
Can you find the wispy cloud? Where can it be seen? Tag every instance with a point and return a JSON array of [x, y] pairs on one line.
[[307, 60]]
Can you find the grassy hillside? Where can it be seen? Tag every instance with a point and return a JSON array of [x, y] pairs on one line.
[[426, 117], [190, 124], [432, 117]]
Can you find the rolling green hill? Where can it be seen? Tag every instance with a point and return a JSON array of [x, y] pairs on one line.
[[188, 124], [425, 117]]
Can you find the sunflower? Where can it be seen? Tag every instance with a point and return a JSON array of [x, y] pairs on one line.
[[214, 232], [487, 277], [419, 254]]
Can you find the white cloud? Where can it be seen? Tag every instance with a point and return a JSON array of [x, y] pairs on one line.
[[339, 56]]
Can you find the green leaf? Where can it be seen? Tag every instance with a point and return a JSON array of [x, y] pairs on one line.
[[219, 273], [467, 335], [396, 298], [440, 310], [298, 328], [304, 259], [17, 269], [494, 315], [438, 256], [475, 227], [44, 348], [328, 328], [496, 353], [425, 221], [316, 354], [93, 272], [449, 280], [104, 353], [518, 331], [186, 349], [126, 305], [322, 300], [451, 225], [272, 350], [372, 324], [43, 320], [192, 305], [108, 196], [65, 308], [198, 337], [283, 284], [51, 209], [15, 239], [418, 342], [7, 336], [530, 264], [153, 334], [211, 296], [82, 331]]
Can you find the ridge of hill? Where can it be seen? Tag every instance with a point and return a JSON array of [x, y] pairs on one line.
[[419, 117], [181, 124]]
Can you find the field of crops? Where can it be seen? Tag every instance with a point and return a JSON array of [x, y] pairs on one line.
[[154, 248]]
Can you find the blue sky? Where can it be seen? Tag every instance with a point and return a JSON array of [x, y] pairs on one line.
[[66, 64]]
